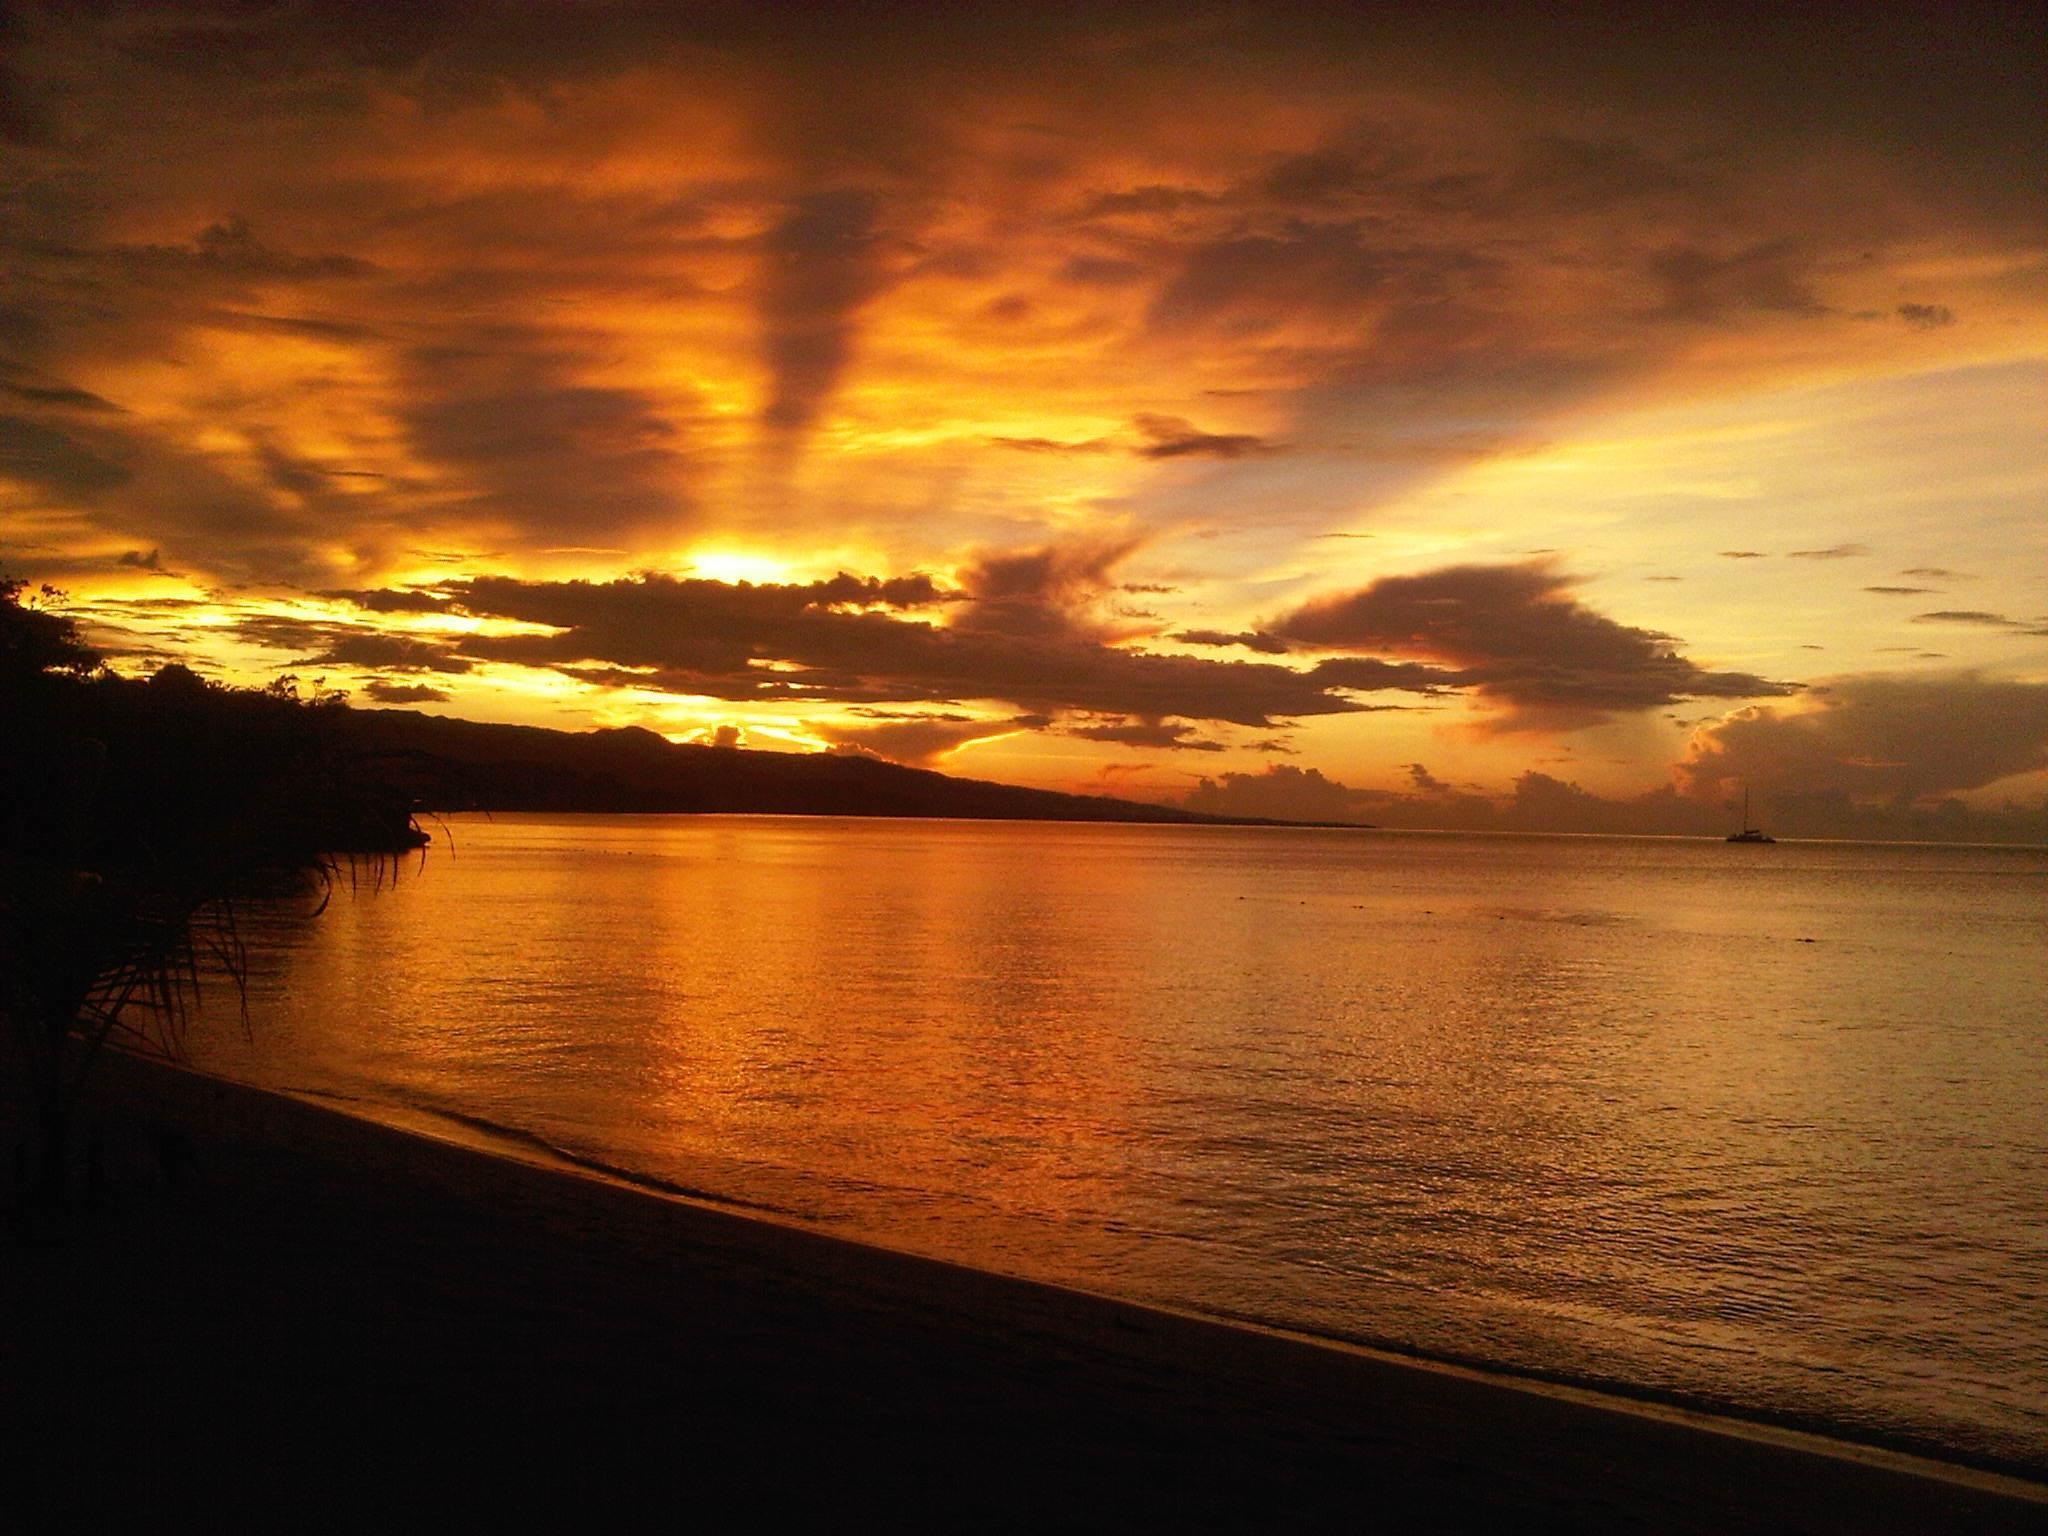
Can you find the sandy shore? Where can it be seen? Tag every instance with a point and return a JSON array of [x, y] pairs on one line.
[[323, 1319]]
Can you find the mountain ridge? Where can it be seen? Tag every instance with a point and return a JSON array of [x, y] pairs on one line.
[[472, 765]]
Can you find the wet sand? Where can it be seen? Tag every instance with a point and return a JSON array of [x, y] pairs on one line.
[[308, 1317]]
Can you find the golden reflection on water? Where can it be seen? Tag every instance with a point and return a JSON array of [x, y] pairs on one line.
[[1761, 1126]]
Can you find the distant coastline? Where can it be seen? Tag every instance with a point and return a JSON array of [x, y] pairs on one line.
[[456, 765]]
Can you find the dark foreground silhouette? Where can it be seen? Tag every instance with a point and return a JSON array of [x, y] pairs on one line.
[[136, 819], [330, 1321]]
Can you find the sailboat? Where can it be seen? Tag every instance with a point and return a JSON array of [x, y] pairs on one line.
[[1749, 834]]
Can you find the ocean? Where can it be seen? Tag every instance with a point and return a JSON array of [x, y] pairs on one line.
[[1762, 1129]]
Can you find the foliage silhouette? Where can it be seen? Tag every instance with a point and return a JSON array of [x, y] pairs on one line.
[[136, 819]]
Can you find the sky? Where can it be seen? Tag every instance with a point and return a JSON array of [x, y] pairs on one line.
[[1559, 418]]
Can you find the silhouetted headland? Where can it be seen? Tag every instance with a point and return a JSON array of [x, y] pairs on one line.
[[462, 765]]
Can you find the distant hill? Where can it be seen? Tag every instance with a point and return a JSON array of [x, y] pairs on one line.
[[461, 765]]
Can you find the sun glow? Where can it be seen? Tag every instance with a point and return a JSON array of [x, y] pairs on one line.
[[728, 564]]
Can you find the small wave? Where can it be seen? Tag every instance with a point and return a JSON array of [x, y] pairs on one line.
[[498, 1132]]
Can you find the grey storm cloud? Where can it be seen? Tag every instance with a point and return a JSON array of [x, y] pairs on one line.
[[387, 600], [345, 645], [1516, 635], [384, 691], [1425, 782], [1020, 628], [1881, 737], [1011, 636], [1044, 590], [1873, 760], [1156, 734], [1251, 640], [1280, 791]]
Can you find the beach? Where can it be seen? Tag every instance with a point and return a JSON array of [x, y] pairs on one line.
[[273, 1307]]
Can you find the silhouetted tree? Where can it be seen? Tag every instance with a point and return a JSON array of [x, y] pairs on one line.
[[135, 819]]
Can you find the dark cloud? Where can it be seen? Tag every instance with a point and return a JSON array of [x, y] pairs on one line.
[[1279, 791], [1146, 733], [388, 600], [339, 644], [915, 591], [1513, 633], [1370, 674], [1832, 552], [1742, 554], [1425, 782], [1047, 590], [1169, 437], [1380, 247], [1603, 174], [1249, 284], [1977, 618], [62, 396], [821, 264], [88, 294], [136, 559], [536, 448], [393, 653], [1698, 285], [1869, 764], [1150, 199], [386, 692], [223, 259], [1013, 637], [1937, 573], [1157, 437], [1927, 317], [1888, 738], [43, 457], [1251, 640], [1901, 591]]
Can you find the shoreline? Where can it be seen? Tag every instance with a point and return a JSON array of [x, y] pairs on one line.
[[893, 1348], [488, 1139]]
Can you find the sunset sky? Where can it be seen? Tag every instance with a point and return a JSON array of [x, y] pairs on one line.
[[1280, 412]]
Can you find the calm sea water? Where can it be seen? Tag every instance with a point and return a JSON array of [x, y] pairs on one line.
[[1764, 1128]]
